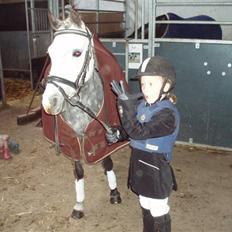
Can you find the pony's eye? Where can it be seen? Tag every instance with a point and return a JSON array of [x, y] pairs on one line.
[[76, 53]]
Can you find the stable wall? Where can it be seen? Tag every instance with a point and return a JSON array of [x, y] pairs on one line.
[[203, 90]]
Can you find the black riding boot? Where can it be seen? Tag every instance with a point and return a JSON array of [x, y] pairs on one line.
[[162, 223], [148, 221]]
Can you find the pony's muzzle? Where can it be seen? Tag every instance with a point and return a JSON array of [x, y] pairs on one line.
[[51, 106]]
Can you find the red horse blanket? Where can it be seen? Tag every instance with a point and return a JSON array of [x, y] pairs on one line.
[[93, 145]]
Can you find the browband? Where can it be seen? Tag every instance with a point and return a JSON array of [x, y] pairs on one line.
[[73, 31]]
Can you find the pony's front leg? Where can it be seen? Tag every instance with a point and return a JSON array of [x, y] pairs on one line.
[[78, 210], [107, 164]]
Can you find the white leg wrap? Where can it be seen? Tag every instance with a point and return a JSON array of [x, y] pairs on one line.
[[80, 190], [157, 207], [111, 179], [79, 206]]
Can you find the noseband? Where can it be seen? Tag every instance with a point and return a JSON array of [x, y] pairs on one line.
[[80, 80]]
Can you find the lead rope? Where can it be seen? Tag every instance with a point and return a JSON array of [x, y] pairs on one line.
[[81, 77], [89, 112], [56, 134]]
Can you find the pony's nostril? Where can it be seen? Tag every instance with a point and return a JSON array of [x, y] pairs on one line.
[[47, 110], [54, 101], [46, 104]]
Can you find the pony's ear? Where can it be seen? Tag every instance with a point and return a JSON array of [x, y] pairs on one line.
[[55, 23], [75, 17], [71, 2]]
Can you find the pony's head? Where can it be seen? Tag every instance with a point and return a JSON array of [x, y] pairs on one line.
[[72, 62]]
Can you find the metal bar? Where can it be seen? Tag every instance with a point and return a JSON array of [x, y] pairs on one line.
[[53, 6], [2, 81], [126, 60], [136, 19], [154, 25], [193, 22], [125, 17], [28, 43], [103, 11], [50, 8], [56, 8], [56, 132], [143, 18], [33, 27], [170, 40], [50, 5], [119, 53], [112, 40], [145, 41], [119, 1], [32, 2], [194, 4], [151, 29], [97, 16]]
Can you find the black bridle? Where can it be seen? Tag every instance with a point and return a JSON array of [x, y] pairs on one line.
[[80, 80]]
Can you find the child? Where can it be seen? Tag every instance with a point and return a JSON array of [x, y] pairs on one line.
[[152, 125]]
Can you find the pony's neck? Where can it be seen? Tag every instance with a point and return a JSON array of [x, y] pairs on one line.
[[92, 96]]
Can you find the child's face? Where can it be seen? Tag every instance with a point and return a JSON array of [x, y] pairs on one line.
[[151, 86]]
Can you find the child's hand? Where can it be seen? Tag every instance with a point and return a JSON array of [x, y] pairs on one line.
[[112, 136], [119, 90]]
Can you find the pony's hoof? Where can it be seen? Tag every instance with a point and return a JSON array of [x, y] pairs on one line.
[[115, 197], [77, 214]]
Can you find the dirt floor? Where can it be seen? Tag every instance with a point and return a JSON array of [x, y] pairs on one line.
[[37, 187]]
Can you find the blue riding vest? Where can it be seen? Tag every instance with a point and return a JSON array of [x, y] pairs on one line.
[[162, 144]]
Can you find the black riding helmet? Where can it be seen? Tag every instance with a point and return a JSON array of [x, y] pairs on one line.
[[158, 66]]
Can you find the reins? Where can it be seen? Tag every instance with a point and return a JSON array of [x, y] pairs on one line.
[[84, 108]]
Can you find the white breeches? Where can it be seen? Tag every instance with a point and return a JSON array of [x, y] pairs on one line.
[[157, 207]]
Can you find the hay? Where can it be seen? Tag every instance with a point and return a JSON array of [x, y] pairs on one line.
[[17, 88]]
